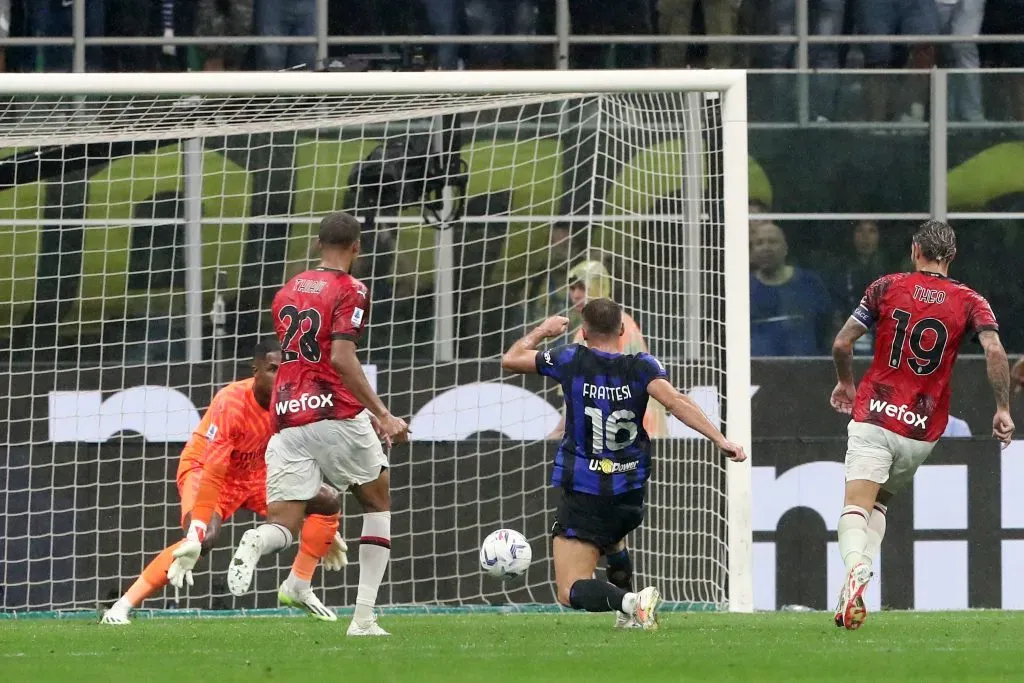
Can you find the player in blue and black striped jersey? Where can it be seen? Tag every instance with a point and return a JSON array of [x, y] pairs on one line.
[[604, 460]]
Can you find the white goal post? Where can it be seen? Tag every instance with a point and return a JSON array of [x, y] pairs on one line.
[[143, 215]]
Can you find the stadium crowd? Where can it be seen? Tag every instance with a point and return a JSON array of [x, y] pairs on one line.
[[52, 18]]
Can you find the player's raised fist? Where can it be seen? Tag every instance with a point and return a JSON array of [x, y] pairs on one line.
[[842, 398], [1002, 426], [733, 451], [554, 326]]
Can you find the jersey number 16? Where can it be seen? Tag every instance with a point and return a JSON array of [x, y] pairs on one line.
[[606, 432]]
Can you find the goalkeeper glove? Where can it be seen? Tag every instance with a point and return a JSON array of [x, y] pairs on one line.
[[186, 555], [336, 557]]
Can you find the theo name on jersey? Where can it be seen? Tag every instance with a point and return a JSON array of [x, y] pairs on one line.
[[605, 450], [312, 310], [921, 319]]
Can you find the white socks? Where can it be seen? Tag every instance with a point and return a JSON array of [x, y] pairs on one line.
[[274, 536], [374, 553], [875, 533], [853, 535]]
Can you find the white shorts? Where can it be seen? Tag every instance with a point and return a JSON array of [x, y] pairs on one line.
[[344, 452], [881, 456]]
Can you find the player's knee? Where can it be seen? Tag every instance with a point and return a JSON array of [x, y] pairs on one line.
[[327, 502]]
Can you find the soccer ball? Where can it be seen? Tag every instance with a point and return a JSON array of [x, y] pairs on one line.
[[505, 554]]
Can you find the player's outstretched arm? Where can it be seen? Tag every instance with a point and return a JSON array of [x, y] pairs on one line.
[[842, 356], [686, 410], [350, 370], [998, 368], [522, 357]]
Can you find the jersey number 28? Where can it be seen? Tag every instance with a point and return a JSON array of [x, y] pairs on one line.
[[606, 432], [308, 346], [924, 360]]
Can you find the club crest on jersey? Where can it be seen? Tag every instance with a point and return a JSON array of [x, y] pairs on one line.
[[609, 466], [211, 432], [357, 316]]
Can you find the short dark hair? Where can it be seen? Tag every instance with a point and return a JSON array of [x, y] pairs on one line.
[[264, 346], [936, 240], [339, 229], [603, 317]]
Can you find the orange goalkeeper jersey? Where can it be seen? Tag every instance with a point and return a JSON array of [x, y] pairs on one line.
[[229, 445]]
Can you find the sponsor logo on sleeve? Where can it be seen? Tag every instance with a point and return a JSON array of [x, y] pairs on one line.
[[547, 358], [211, 432], [357, 316]]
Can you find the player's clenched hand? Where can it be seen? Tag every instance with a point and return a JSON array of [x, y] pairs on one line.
[[379, 431], [842, 398], [731, 450], [554, 326], [185, 557], [394, 428], [336, 557], [1002, 426]]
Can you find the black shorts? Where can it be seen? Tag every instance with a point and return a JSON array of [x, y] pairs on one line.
[[601, 520]]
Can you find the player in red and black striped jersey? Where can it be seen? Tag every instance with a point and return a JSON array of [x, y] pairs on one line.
[[901, 407], [328, 420]]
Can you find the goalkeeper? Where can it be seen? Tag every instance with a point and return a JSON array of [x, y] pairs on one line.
[[222, 469]]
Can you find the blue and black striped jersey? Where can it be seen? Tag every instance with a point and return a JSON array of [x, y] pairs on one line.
[[605, 450]]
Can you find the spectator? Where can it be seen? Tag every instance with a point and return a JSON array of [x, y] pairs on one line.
[[5, 30], [53, 18], [962, 18], [849, 282], [825, 18], [498, 18], [1006, 17], [296, 18], [789, 306], [676, 17], [896, 17], [220, 18], [600, 17], [444, 18]]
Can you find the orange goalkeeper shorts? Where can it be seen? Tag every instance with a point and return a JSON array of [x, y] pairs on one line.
[[251, 495]]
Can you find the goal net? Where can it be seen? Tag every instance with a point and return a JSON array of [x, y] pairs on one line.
[[147, 220]]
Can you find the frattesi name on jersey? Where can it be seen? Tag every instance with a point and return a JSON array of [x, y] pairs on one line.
[[303, 402], [606, 393], [900, 413]]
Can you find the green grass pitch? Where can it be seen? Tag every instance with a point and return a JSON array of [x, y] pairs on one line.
[[893, 646]]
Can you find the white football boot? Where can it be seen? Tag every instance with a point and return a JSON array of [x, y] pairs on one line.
[[369, 627], [243, 563], [305, 600], [625, 621], [646, 611], [115, 617], [855, 611]]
